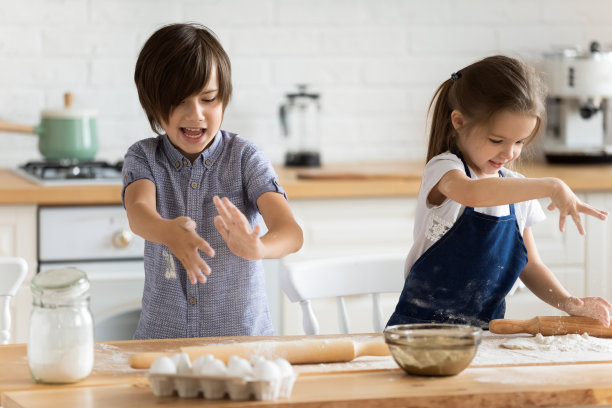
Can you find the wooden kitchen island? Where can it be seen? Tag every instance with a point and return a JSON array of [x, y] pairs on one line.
[[114, 384]]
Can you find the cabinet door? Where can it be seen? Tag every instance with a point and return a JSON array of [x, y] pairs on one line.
[[18, 238], [564, 254], [343, 228], [599, 248]]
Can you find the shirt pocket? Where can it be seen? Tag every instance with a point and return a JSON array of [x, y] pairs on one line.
[[236, 197]]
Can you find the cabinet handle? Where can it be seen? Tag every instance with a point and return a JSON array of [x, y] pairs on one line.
[[122, 239]]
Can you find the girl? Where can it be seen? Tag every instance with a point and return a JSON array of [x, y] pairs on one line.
[[171, 190], [473, 238]]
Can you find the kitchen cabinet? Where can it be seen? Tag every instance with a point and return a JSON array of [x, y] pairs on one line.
[[18, 238]]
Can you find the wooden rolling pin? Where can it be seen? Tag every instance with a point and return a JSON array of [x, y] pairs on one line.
[[294, 351], [551, 325]]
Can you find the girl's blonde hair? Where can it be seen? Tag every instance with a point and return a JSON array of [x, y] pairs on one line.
[[479, 91]]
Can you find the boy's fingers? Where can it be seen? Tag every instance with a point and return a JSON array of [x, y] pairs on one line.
[[220, 226], [205, 247], [221, 205]]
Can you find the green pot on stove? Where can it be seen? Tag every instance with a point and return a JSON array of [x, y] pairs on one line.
[[63, 134]]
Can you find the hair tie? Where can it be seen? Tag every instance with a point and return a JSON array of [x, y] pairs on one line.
[[455, 76]]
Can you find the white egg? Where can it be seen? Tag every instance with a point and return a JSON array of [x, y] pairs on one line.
[[182, 362], [163, 365], [213, 367], [266, 370], [239, 367], [284, 367], [200, 361]]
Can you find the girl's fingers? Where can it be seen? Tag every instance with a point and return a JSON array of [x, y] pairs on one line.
[[578, 223], [561, 222], [592, 211], [604, 302]]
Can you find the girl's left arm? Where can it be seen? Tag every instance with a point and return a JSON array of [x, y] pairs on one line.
[[545, 285]]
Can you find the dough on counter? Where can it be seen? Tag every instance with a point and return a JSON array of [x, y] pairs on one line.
[[568, 343]]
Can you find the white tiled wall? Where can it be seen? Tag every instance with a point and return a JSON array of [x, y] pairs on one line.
[[375, 62]]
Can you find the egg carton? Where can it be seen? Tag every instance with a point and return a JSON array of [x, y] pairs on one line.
[[217, 387]]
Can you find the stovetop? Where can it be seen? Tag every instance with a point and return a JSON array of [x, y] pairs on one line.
[[71, 172]]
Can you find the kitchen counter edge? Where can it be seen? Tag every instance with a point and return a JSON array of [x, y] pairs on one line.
[[404, 180]]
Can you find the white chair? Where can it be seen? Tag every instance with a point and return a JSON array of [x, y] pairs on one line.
[[12, 273], [338, 277]]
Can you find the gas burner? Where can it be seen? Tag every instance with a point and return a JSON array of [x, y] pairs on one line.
[[72, 172]]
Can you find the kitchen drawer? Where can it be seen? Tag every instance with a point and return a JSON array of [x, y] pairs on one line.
[[65, 233], [352, 226]]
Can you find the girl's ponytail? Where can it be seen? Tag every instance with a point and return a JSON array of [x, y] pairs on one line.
[[442, 132]]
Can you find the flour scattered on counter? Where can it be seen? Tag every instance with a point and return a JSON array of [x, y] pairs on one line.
[[566, 343]]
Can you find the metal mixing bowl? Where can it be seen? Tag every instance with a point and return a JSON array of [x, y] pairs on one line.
[[433, 349]]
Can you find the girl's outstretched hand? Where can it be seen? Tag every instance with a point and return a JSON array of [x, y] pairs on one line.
[[236, 230], [568, 204], [594, 307], [185, 244]]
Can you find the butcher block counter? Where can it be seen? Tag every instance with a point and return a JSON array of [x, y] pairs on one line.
[[114, 384], [350, 180]]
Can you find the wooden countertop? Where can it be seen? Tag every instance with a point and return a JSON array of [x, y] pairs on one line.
[[333, 181], [113, 383]]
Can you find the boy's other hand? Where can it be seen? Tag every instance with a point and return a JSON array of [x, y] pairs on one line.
[[236, 231], [185, 244]]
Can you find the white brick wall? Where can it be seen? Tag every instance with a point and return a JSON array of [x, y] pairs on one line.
[[375, 62]]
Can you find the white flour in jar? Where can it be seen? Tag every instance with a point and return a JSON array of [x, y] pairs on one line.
[[60, 353]]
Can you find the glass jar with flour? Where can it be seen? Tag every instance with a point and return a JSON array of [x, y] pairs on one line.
[[60, 345]]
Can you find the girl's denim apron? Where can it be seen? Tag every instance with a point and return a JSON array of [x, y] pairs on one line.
[[464, 277]]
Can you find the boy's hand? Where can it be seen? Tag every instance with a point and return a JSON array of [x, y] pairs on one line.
[[594, 307], [564, 199], [185, 244], [236, 230]]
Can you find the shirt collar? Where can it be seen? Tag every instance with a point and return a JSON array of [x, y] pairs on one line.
[[206, 158]]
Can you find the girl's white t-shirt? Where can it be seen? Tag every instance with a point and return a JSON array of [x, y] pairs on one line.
[[432, 222]]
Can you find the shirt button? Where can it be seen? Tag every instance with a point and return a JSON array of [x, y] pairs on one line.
[[194, 184], [192, 301], [177, 164], [185, 162], [207, 162]]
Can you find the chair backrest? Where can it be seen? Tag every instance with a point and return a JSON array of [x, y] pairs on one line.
[[12, 273], [338, 277]]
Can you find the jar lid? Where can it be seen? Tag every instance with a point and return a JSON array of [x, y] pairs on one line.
[[60, 284]]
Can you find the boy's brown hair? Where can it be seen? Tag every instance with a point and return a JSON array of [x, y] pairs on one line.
[[175, 63]]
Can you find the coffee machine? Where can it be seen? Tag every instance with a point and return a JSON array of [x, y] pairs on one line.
[[299, 119], [579, 105]]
